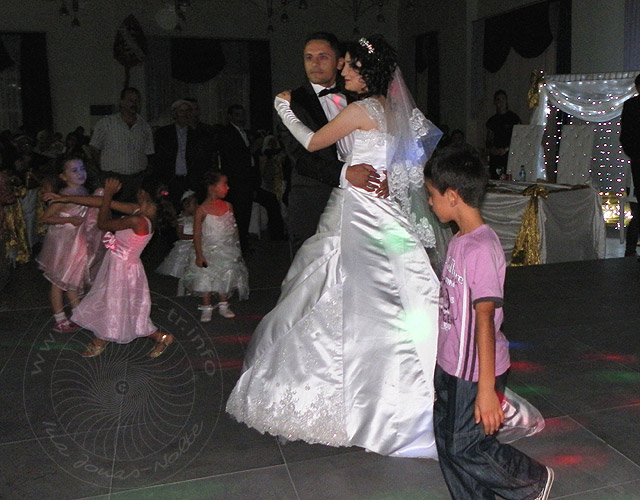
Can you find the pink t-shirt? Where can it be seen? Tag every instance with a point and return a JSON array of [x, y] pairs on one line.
[[474, 272]]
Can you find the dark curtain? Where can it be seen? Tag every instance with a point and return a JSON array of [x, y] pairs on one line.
[[5, 59], [563, 43], [527, 30], [427, 58], [631, 35], [196, 60], [260, 95], [34, 79]]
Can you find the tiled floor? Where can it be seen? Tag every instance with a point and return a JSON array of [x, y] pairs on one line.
[[125, 427]]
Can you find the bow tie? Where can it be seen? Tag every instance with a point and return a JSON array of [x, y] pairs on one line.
[[324, 92]]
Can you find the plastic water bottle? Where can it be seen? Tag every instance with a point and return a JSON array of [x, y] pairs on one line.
[[523, 174]]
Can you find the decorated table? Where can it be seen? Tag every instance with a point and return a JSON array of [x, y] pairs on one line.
[[540, 223]]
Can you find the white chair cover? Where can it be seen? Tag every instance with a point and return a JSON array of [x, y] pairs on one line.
[[575, 159], [525, 149]]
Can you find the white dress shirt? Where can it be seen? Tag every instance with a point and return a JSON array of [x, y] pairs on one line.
[[181, 156], [123, 149], [332, 104]]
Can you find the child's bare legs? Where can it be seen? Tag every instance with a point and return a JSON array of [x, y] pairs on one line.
[[56, 297], [206, 308], [74, 298], [162, 340]]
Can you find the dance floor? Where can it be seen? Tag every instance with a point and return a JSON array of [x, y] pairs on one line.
[[124, 426]]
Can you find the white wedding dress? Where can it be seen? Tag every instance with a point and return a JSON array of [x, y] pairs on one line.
[[346, 358]]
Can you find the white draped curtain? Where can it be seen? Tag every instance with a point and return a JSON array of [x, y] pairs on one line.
[[591, 97], [594, 99]]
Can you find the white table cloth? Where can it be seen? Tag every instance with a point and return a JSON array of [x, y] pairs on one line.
[[570, 221]]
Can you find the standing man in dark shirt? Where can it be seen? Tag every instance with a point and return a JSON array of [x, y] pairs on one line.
[[237, 159], [630, 141], [203, 147], [499, 128], [171, 159]]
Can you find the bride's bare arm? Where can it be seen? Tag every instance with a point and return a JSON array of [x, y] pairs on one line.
[[349, 119]]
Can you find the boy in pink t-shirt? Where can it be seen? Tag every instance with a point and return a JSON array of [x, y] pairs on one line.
[[473, 353]]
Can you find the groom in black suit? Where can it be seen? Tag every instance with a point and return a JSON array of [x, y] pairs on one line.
[[314, 175]]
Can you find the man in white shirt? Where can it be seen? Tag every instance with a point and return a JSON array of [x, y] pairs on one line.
[[314, 175], [121, 144]]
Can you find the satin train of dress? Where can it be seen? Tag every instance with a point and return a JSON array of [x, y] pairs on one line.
[[346, 357]]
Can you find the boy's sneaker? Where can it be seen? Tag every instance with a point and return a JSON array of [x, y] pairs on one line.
[[544, 494], [225, 312], [65, 326], [205, 317]]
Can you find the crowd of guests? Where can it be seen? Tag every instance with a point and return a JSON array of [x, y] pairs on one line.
[[27, 170], [123, 145], [189, 185]]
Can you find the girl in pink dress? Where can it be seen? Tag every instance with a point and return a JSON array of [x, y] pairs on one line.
[[65, 254], [118, 306]]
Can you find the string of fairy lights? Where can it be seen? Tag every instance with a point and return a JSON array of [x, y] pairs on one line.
[[609, 171]]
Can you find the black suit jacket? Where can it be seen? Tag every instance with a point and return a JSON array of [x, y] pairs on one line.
[[321, 168], [166, 150], [630, 128], [235, 160], [202, 148]]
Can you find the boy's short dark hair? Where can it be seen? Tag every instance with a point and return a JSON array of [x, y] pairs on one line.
[[459, 169]]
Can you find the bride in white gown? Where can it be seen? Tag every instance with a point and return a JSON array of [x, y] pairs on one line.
[[346, 358]]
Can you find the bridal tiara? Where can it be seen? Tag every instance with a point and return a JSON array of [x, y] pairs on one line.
[[367, 44]]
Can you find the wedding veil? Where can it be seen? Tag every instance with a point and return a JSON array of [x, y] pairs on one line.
[[413, 139]]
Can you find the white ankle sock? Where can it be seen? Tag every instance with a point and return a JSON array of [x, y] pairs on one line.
[[61, 316]]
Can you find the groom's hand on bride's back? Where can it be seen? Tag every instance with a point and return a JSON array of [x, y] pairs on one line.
[[364, 176], [383, 189]]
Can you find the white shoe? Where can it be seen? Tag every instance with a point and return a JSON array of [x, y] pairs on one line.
[[207, 311], [225, 312]]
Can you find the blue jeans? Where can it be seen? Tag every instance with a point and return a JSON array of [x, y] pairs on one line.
[[476, 466]]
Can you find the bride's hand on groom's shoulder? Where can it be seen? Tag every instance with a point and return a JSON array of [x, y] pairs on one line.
[[285, 94]]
